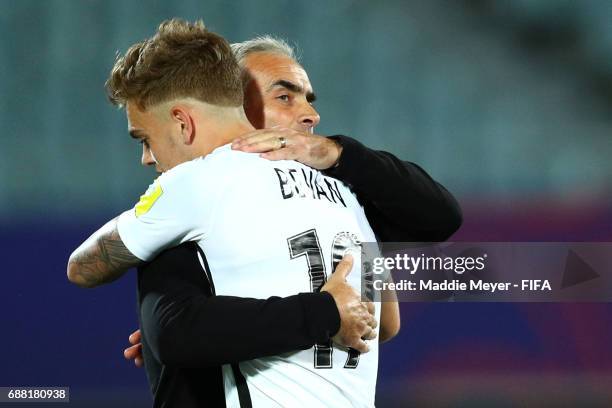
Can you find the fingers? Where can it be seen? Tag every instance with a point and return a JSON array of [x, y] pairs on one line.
[[360, 346], [372, 323], [287, 153], [139, 362], [371, 335], [133, 352], [135, 337], [368, 323], [263, 140], [358, 342], [344, 268], [260, 146], [257, 134], [315, 151], [371, 308], [368, 333], [253, 137], [247, 138]]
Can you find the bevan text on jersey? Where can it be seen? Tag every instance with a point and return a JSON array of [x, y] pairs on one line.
[[308, 183]]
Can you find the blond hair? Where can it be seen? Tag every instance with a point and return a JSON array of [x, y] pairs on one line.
[[181, 60]]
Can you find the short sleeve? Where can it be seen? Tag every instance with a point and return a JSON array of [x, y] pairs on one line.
[[169, 213]]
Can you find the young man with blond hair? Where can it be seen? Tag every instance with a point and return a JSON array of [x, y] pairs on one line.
[[183, 98]]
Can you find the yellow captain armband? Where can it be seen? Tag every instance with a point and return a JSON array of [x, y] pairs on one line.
[[148, 198]]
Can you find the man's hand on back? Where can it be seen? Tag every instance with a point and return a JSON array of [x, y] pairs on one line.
[[357, 322], [318, 152]]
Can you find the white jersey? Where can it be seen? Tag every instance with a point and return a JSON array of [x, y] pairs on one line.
[[267, 228]]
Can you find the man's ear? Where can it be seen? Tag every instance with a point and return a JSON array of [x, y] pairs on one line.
[[253, 103], [183, 118]]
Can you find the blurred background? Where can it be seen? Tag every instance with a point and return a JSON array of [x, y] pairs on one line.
[[506, 103]]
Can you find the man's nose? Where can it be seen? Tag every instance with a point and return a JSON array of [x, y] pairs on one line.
[[309, 117], [147, 158]]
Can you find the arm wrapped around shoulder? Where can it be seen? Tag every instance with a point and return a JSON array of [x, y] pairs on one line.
[[184, 324]]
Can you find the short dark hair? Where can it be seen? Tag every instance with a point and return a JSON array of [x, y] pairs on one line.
[[181, 60]]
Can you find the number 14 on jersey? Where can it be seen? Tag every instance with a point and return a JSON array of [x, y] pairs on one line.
[[307, 244]]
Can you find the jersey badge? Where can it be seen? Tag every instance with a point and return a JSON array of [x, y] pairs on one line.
[[148, 198]]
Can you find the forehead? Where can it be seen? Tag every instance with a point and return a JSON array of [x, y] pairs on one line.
[[136, 117], [133, 113], [267, 68]]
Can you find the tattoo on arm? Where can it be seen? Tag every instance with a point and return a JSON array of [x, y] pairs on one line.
[[102, 258]]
